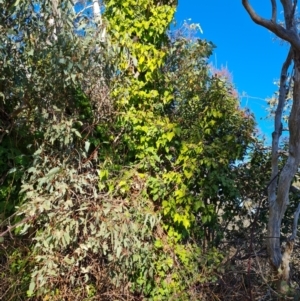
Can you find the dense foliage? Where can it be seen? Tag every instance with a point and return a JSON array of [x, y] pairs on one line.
[[121, 155]]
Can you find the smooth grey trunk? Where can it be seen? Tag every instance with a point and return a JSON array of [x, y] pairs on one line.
[[278, 126], [278, 192], [274, 220]]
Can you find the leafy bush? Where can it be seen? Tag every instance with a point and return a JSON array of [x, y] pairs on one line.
[[131, 148]]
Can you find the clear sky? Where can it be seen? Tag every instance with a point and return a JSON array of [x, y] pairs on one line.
[[251, 53]]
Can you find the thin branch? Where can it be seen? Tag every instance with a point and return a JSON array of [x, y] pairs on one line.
[[9, 228], [82, 11], [274, 11]]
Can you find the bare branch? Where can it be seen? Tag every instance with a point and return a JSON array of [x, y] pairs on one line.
[[9, 228], [288, 34], [82, 11], [274, 11]]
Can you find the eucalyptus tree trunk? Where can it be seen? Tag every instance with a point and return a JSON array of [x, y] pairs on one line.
[[280, 183]]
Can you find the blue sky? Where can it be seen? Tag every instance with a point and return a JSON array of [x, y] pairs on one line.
[[251, 53]]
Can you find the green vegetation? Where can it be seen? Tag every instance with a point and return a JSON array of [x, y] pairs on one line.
[[125, 160]]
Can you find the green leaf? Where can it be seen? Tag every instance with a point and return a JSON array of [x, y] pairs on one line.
[[62, 61], [170, 136], [12, 170], [87, 146], [187, 173], [31, 288], [53, 171], [73, 77], [103, 174], [16, 3], [30, 52], [119, 250]]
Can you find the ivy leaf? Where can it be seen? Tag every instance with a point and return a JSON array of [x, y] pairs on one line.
[[187, 173]]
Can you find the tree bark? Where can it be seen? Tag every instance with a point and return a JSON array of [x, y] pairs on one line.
[[278, 126], [274, 213], [278, 192]]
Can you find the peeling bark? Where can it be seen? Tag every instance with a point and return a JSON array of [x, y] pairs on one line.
[[284, 270]]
